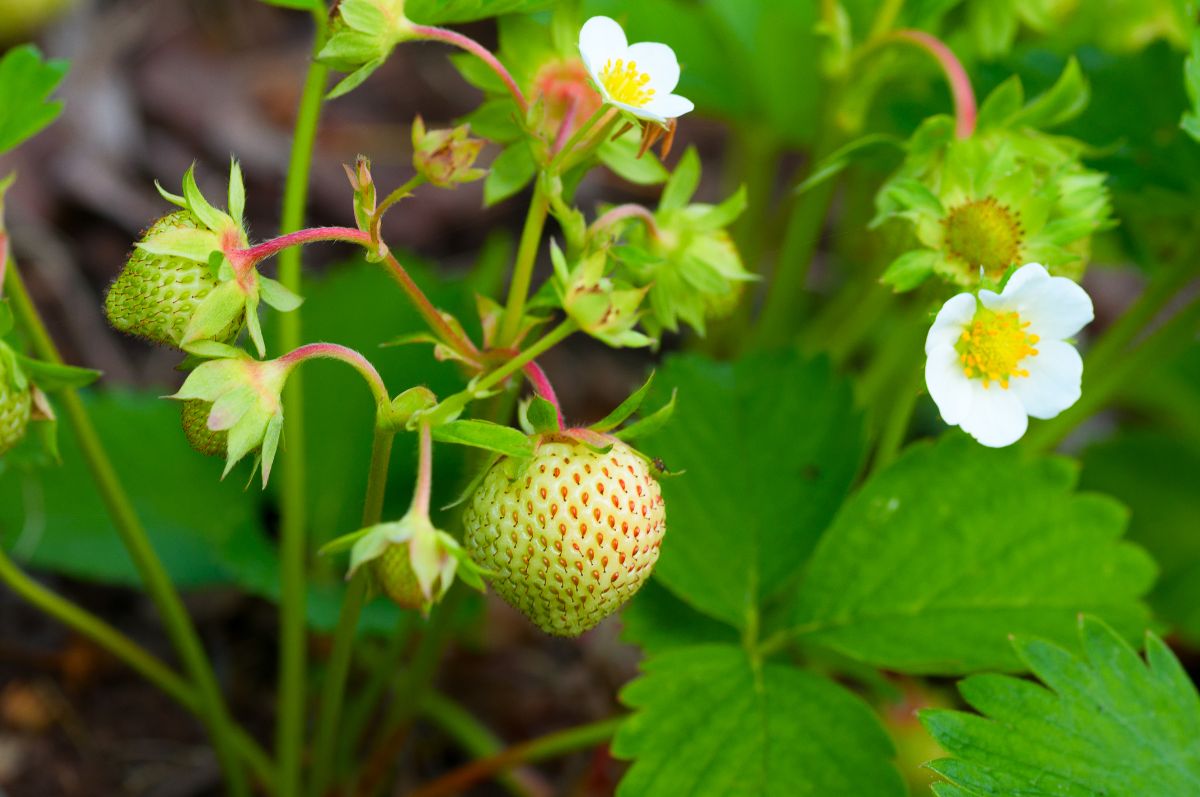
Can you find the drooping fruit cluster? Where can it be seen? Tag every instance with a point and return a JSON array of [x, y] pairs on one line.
[[155, 296], [15, 404], [570, 534], [194, 414]]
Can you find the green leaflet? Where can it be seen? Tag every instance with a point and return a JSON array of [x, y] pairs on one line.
[[938, 558], [708, 723], [26, 81], [1106, 723]]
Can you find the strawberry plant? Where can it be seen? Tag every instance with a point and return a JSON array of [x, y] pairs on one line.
[[901, 418]]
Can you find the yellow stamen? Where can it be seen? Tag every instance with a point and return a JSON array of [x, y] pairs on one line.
[[625, 84], [993, 346]]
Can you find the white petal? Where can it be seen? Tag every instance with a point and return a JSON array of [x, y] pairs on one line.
[[948, 386], [600, 39], [659, 62], [948, 326], [1054, 379], [669, 106], [1055, 307], [996, 417]]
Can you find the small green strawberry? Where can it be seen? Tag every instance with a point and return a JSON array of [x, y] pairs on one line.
[[155, 296], [570, 534], [194, 414], [16, 401], [395, 575]]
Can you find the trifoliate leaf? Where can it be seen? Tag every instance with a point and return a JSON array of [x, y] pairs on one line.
[[742, 523], [936, 560], [1106, 723], [710, 723], [26, 81], [482, 434]]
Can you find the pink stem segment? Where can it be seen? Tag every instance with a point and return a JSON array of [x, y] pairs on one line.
[[241, 258], [479, 51], [3, 258], [629, 211], [541, 385], [956, 76], [332, 351], [420, 502]]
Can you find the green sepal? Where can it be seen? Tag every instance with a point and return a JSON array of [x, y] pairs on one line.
[[343, 543], [174, 199], [52, 377], [1061, 103], [270, 445], [651, 423], [410, 402], [189, 244], [911, 269], [214, 350], [355, 79], [483, 434], [541, 415], [237, 191], [276, 295], [625, 409], [682, 184], [209, 216], [216, 312], [254, 325]]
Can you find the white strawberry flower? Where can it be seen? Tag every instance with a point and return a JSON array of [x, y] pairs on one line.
[[638, 78], [994, 361]]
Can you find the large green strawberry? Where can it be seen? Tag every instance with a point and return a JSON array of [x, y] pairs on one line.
[[155, 296], [15, 404], [569, 535]]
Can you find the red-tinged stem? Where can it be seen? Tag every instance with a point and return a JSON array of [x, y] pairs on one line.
[[956, 76], [3, 258], [541, 385], [479, 51], [433, 317], [242, 258], [629, 211], [421, 493], [332, 351], [564, 130]]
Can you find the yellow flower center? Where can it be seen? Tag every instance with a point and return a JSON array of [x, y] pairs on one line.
[[993, 345], [985, 233], [625, 84]]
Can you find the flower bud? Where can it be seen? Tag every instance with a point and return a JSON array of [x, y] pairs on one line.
[[445, 157]]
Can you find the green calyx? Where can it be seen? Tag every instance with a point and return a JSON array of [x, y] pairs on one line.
[[445, 158]]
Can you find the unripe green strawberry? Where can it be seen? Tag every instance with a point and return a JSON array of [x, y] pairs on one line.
[[194, 413], [570, 535], [15, 403], [396, 577], [155, 296]]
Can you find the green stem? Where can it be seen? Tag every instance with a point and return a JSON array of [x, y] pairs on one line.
[[576, 137], [392, 199], [122, 647], [289, 729], [899, 414], [472, 735], [158, 584], [549, 746], [334, 688], [527, 251]]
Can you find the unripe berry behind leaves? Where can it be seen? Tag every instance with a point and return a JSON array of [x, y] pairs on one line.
[[15, 403], [395, 575], [571, 535], [194, 414], [155, 296]]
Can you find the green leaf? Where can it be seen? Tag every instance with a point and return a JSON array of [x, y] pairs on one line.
[[911, 269], [26, 81], [1191, 80], [625, 409], [512, 170], [682, 184], [741, 523], [54, 376], [937, 559], [483, 434], [655, 620], [709, 723], [496, 120], [1106, 723], [622, 157], [440, 12], [1155, 476], [1062, 102]]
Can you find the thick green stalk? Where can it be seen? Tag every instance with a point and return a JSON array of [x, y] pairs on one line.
[[134, 655], [154, 576], [522, 276], [334, 688], [289, 731]]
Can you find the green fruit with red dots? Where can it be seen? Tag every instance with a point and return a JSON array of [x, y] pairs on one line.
[[570, 534], [155, 296]]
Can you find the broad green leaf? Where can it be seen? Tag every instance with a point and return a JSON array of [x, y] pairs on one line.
[[708, 723], [655, 620], [740, 522], [512, 170], [483, 434], [26, 81], [1105, 723], [1155, 476], [440, 12], [622, 157], [53, 376], [937, 559]]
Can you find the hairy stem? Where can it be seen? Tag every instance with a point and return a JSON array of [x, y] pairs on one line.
[[476, 49], [132, 654], [333, 351], [334, 689], [259, 252], [522, 276], [541, 385], [549, 746], [433, 317], [960, 84], [293, 665], [154, 576]]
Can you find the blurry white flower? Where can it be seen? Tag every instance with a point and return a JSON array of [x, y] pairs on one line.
[[995, 361], [638, 78]]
